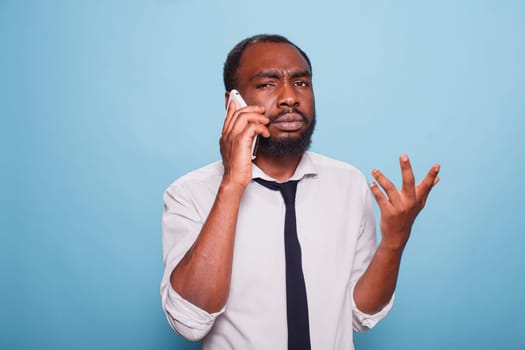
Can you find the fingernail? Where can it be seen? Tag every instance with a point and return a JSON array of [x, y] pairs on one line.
[[404, 157]]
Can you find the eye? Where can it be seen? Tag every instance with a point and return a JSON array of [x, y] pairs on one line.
[[264, 85], [302, 83]]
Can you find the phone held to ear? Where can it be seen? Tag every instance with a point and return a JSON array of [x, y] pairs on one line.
[[239, 102]]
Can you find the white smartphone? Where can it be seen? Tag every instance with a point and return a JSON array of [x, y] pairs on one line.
[[239, 102]]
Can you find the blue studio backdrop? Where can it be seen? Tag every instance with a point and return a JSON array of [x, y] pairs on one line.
[[104, 103]]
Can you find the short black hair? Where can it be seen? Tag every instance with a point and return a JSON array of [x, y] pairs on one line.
[[234, 57]]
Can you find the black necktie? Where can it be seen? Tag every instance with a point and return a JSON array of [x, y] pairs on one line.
[[296, 302]]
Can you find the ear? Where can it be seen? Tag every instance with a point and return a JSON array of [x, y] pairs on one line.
[[226, 99]]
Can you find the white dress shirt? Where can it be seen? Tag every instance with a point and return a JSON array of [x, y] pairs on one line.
[[336, 230]]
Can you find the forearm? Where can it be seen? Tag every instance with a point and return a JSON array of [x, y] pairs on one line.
[[203, 275], [376, 286]]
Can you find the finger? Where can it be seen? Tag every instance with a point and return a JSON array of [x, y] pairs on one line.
[[244, 131], [246, 114], [241, 141], [262, 130], [247, 119], [251, 130], [230, 109], [379, 196], [429, 181], [235, 114], [408, 187], [387, 185]]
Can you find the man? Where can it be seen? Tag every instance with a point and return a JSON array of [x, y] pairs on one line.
[[230, 278]]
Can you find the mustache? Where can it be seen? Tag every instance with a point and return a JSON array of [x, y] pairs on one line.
[[274, 117]]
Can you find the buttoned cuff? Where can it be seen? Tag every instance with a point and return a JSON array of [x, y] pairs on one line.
[[187, 319]]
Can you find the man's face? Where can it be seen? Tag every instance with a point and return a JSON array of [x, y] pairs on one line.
[[277, 76]]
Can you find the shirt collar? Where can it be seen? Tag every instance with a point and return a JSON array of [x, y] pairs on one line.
[[305, 168]]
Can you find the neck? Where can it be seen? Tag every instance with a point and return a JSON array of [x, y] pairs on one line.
[[280, 168]]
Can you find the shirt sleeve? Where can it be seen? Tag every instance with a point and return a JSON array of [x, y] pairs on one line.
[[365, 249], [181, 224], [188, 320], [363, 321]]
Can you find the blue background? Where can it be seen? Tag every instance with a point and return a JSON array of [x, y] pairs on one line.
[[104, 103]]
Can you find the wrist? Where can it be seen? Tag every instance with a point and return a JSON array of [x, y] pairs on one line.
[[391, 247], [231, 187]]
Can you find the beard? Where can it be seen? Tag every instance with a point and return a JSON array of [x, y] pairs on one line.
[[290, 146]]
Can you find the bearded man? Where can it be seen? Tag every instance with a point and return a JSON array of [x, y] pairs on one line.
[[280, 251]]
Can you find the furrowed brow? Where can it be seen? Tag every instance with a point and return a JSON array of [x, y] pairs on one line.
[[274, 74], [267, 74], [302, 74]]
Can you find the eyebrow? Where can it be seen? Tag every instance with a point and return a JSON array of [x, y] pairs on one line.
[[302, 74], [275, 74]]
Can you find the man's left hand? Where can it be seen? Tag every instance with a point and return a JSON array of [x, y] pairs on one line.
[[399, 209]]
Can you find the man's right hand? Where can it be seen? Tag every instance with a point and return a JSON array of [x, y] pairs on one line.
[[239, 129]]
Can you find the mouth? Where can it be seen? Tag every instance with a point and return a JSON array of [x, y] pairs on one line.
[[289, 122]]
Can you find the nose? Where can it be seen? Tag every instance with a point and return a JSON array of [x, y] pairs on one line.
[[287, 96]]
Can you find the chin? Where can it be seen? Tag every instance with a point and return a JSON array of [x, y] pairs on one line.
[[284, 143]]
